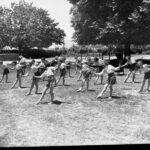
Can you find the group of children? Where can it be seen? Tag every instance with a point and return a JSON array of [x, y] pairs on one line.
[[87, 69]]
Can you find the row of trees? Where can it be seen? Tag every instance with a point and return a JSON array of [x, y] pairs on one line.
[[24, 25], [119, 22]]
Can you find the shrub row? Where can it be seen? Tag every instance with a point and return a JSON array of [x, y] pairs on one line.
[[39, 53]]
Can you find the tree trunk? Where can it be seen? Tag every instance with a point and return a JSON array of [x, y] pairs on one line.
[[20, 48], [127, 49], [109, 55], [102, 56]]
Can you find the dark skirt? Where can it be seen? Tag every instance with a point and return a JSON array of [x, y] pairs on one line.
[[62, 72], [68, 67], [111, 79], [147, 75], [19, 73], [6, 71], [87, 74], [51, 82], [79, 66], [38, 73], [133, 67]]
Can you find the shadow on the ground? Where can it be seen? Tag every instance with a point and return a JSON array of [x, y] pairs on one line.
[[38, 93], [24, 87], [57, 102], [64, 85], [118, 97], [106, 98], [100, 84], [91, 90], [121, 74]]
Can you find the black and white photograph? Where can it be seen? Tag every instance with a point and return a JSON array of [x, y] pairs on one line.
[[74, 72]]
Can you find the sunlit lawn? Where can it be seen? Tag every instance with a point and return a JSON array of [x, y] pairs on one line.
[[76, 118]]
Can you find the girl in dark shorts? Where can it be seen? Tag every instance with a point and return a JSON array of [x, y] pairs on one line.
[[35, 81], [146, 69], [78, 63], [5, 71], [87, 74], [68, 65], [63, 71], [79, 67], [50, 74], [111, 80], [133, 67], [98, 67], [19, 75]]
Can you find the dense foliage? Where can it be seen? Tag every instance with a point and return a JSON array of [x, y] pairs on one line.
[[26, 25], [111, 22]]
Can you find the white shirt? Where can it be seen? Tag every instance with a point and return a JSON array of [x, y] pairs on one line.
[[41, 65], [110, 69], [49, 72], [132, 60], [23, 60], [18, 66], [63, 66], [34, 68], [85, 67], [145, 68]]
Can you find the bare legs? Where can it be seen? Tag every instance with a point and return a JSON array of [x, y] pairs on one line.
[[17, 80], [6, 79], [143, 83], [128, 75], [63, 80], [97, 78], [104, 89], [82, 85], [44, 92], [32, 86]]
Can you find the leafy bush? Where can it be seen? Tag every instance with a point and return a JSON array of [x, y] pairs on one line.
[[39, 53]]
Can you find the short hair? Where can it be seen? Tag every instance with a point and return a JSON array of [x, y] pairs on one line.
[[96, 59]]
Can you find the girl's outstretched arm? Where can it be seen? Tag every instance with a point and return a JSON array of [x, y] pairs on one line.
[[40, 77], [26, 75], [126, 64], [100, 73], [116, 68], [11, 68]]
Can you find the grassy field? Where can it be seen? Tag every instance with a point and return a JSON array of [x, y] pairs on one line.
[[75, 118]]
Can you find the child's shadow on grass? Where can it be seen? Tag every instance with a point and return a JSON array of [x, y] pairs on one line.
[[24, 87], [64, 85], [120, 74], [102, 99], [58, 102], [133, 82], [91, 90], [118, 97]]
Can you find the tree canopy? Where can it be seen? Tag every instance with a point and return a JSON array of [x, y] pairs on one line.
[[26, 25], [111, 21]]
